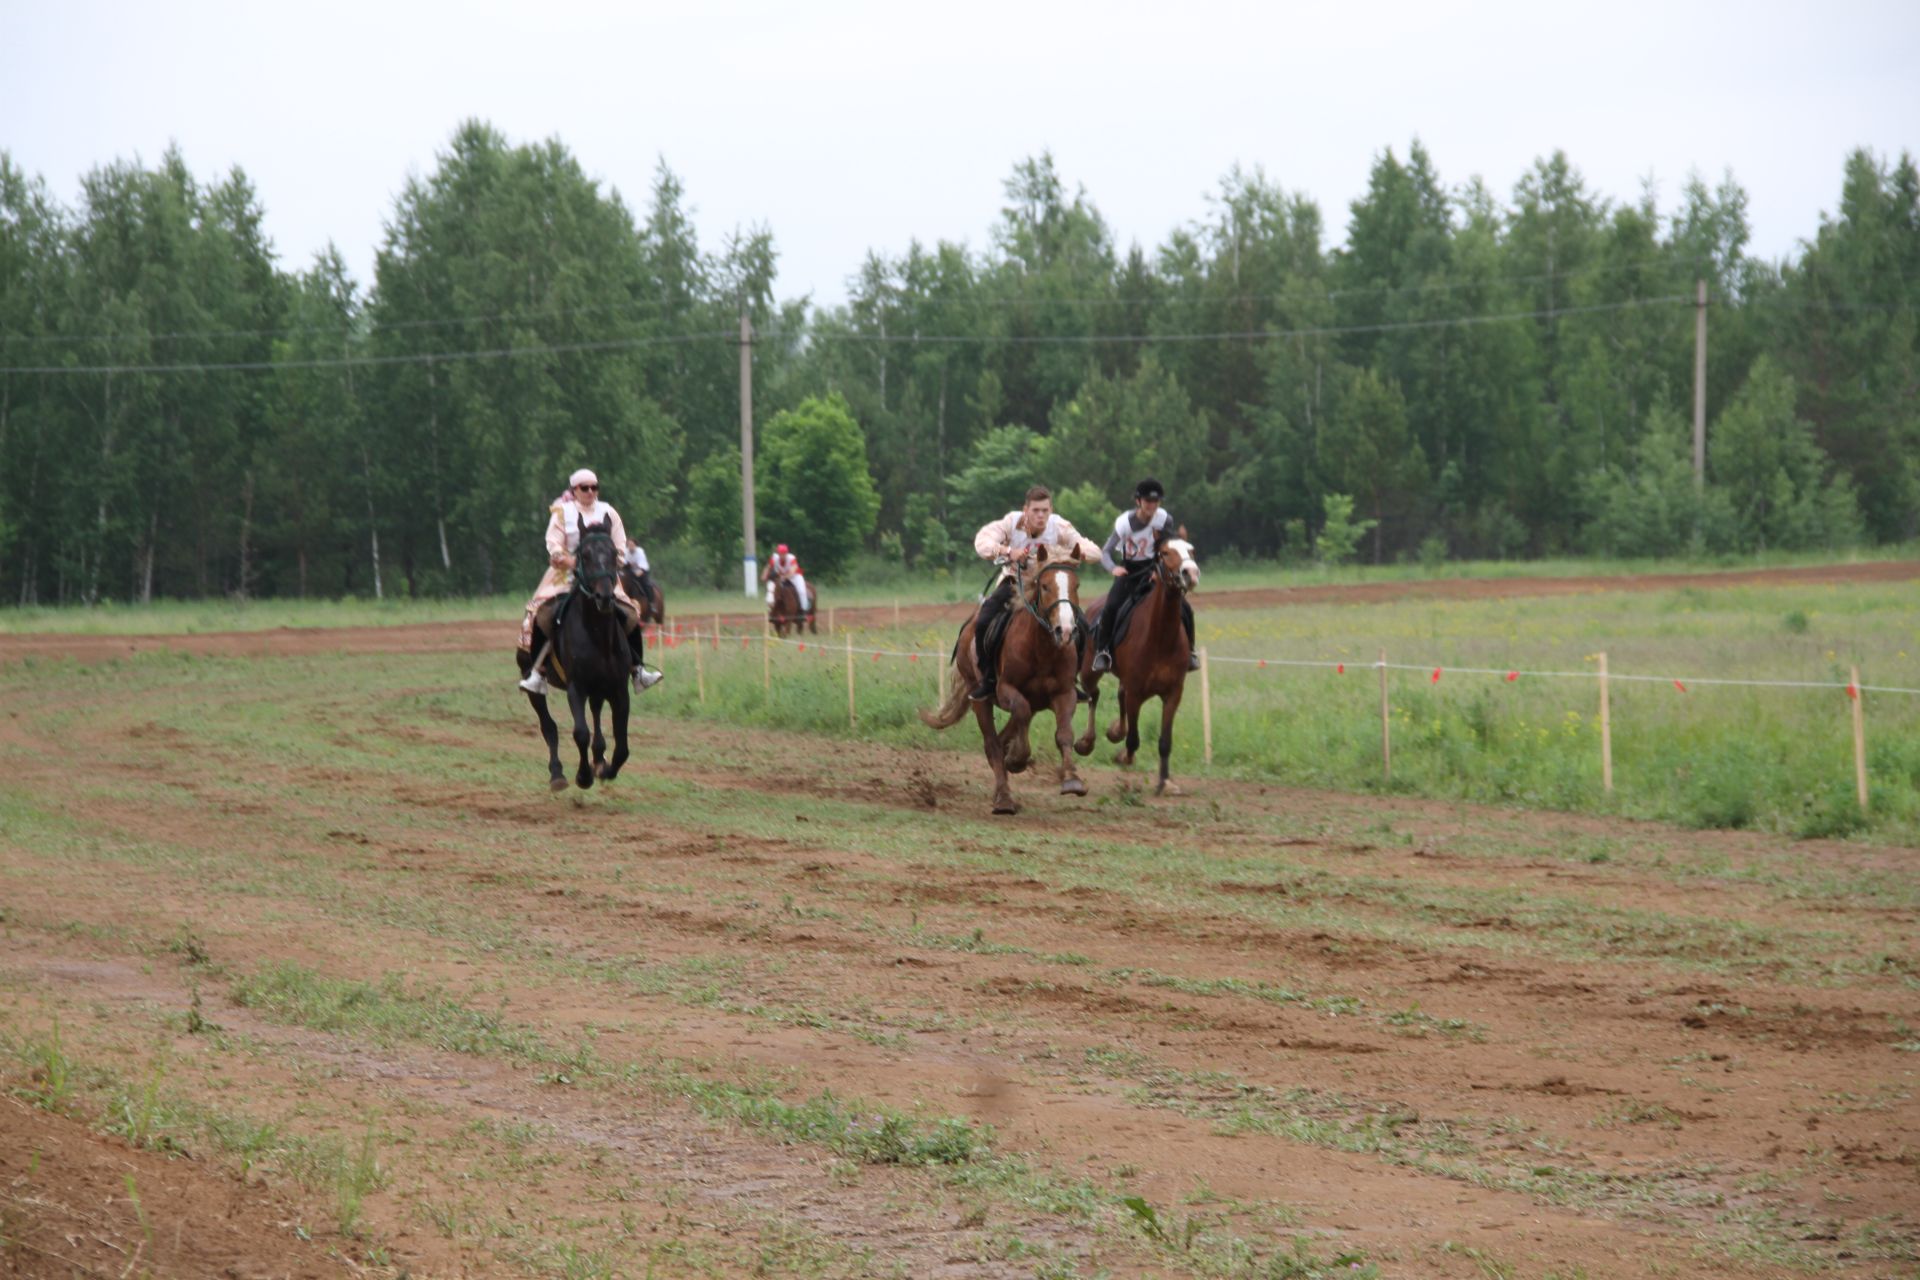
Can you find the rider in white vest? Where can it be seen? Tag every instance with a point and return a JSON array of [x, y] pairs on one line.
[[1136, 539], [580, 504], [1013, 538], [641, 569], [783, 565]]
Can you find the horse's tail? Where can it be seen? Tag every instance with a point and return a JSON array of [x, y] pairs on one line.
[[954, 709]]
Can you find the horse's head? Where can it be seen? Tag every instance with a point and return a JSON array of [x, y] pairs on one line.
[[1177, 566], [596, 563], [1055, 591]]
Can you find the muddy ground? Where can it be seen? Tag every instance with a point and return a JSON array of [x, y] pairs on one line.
[[1309, 1033]]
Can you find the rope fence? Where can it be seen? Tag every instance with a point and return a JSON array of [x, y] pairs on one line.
[[673, 635]]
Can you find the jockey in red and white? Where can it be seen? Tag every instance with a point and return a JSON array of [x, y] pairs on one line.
[[580, 504], [784, 566]]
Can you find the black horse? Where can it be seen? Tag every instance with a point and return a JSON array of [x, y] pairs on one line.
[[588, 656]]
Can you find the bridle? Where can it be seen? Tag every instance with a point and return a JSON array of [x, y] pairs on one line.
[[1066, 596], [1169, 578], [585, 580]]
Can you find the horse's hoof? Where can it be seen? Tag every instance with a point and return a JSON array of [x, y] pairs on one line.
[[1083, 748], [1073, 787], [584, 781], [556, 784], [1168, 787], [600, 769], [1005, 808], [1123, 759], [1018, 766]]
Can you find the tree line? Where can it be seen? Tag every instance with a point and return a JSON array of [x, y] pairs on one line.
[[1465, 375]]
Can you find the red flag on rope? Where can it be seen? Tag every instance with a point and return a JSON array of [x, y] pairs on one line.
[[876, 657], [1436, 675], [1263, 663], [803, 646], [1853, 691], [1339, 668], [1512, 676], [912, 657], [1682, 688]]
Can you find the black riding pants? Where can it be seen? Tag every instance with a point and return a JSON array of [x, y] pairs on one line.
[[1132, 585], [991, 608]]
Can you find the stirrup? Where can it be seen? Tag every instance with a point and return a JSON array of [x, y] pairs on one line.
[[645, 678], [983, 692], [1102, 662], [534, 683]]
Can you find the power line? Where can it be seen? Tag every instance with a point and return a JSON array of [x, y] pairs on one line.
[[341, 362], [1094, 339], [645, 306]]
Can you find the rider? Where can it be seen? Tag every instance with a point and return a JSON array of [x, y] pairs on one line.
[[579, 505], [1012, 538], [1136, 536], [638, 566], [784, 566]]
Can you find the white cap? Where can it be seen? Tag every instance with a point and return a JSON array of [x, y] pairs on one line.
[[582, 476]]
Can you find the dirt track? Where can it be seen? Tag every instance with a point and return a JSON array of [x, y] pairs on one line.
[[473, 637], [1449, 1038]]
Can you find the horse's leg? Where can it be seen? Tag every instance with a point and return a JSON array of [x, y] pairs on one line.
[[620, 702], [599, 741], [1169, 703], [1070, 784], [1134, 706], [1118, 729], [556, 776], [582, 737], [1013, 739], [1085, 745], [1003, 801]]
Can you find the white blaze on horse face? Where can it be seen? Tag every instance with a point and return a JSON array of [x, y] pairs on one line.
[[1189, 570]]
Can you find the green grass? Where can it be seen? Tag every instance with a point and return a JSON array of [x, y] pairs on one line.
[[871, 584]]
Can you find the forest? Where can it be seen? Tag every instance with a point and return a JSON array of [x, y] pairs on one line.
[[1465, 374]]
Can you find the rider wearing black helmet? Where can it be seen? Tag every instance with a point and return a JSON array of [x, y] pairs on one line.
[[1136, 537]]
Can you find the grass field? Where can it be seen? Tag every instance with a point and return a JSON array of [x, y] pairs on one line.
[[784, 1003], [1775, 758], [303, 970], [872, 585]]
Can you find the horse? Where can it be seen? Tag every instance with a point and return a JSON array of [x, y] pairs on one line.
[[786, 612], [1151, 661], [653, 603], [589, 657], [1038, 656]]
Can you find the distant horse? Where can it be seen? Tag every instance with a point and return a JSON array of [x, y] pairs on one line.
[[1038, 656], [588, 657], [653, 603], [1151, 661], [786, 612]]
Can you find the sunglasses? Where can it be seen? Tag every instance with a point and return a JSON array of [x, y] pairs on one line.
[[588, 488]]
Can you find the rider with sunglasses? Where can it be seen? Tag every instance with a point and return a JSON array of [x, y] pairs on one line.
[[579, 505]]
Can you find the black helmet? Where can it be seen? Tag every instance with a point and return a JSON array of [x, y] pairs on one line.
[[1149, 488]]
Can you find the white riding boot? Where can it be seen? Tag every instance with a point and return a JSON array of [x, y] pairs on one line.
[[534, 683]]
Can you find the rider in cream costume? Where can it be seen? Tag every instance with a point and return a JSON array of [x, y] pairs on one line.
[[785, 566], [1136, 539], [1012, 538], [580, 504]]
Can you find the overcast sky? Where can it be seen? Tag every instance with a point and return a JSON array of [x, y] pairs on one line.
[[849, 127]]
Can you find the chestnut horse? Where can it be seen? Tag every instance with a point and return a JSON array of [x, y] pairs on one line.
[[1151, 662], [653, 603], [786, 611], [1038, 656]]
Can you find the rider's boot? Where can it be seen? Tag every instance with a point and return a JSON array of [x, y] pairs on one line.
[[644, 676], [533, 681]]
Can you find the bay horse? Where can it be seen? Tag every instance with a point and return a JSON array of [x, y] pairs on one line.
[[588, 657], [1151, 661], [1038, 657], [653, 603], [786, 612]]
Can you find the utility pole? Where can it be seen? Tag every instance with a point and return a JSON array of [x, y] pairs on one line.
[[1699, 384], [750, 559]]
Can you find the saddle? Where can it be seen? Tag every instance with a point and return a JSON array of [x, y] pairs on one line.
[[552, 615], [1123, 611]]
